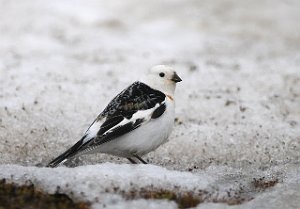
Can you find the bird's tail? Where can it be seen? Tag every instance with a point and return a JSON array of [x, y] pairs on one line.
[[61, 159]]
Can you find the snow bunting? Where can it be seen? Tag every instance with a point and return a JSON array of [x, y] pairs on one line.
[[135, 122]]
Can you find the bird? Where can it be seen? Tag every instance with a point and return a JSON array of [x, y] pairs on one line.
[[135, 122]]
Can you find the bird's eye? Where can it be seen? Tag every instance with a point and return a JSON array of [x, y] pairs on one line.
[[162, 75]]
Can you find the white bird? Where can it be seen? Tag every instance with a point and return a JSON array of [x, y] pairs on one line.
[[137, 121]]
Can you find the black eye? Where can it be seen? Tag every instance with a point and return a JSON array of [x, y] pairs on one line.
[[162, 75]]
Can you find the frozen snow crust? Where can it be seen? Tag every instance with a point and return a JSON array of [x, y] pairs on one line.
[[237, 131]]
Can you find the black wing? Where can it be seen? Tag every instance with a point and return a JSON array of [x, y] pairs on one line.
[[137, 96]]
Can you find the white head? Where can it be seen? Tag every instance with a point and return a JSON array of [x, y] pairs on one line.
[[163, 78]]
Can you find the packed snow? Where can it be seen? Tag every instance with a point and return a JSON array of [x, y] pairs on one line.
[[237, 109]]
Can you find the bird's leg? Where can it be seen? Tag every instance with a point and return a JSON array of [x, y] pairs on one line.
[[140, 159], [131, 160]]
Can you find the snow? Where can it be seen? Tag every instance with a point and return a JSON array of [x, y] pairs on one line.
[[238, 106]]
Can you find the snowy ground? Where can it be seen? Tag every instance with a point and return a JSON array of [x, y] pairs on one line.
[[238, 106]]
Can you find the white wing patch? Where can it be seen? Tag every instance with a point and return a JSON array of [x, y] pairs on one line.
[[141, 114], [93, 130]]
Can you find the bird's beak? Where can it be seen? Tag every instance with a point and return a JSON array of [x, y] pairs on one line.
[[176, 78]]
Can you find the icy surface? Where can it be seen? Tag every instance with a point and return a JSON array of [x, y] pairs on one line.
[[238, 108]]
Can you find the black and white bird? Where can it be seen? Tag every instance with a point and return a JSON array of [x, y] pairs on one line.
[[137, 121]]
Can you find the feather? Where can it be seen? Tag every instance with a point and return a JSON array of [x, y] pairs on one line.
[[134, 106]]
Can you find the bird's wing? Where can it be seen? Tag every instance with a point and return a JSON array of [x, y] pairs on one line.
[[130, 109]]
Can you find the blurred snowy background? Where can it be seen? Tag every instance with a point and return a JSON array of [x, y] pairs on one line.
[[238, 107]]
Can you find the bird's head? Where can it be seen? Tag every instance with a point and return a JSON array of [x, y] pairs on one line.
[[163, 78]]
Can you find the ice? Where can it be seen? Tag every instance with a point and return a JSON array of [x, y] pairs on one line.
[[108, 184], [238, 107]]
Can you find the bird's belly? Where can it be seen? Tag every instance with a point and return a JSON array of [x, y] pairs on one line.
[[142, 140]]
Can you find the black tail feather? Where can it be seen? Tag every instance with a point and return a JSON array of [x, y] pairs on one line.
[[67, 154]]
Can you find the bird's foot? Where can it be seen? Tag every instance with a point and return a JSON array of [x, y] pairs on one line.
[[140, 159], [131, 160]]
